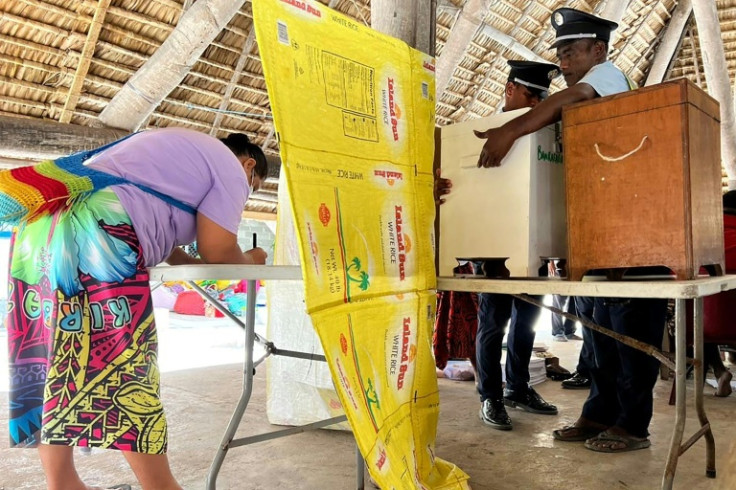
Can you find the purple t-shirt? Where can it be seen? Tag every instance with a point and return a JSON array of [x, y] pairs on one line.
[[190, 166]]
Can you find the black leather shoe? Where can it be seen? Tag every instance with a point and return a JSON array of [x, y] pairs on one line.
[[493, 413], [577, 382], [530, 401]]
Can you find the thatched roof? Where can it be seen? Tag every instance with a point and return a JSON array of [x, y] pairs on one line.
[[52, 67]]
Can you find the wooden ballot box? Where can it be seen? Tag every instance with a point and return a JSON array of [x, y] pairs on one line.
[[516, 210], [643, 181]]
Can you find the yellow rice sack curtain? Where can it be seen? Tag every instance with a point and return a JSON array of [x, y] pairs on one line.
[[354, 112]]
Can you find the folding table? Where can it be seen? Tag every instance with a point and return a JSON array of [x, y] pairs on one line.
[[665, 288], [251, 274]]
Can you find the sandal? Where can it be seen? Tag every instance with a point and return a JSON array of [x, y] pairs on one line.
[[606, 442], [573, 433], [122, 486]]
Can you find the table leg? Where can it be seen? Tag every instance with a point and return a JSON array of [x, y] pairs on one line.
[[360, 468], [680, 379], [710, 446], [232, 427]]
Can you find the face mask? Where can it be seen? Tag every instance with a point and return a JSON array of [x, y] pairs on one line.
[[252, 180]]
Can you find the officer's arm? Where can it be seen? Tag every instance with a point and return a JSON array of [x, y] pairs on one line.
[[499, 140], [550, 110]]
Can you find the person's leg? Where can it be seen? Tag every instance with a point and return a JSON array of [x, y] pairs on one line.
[[519, 344], [584, 308], [494, 311], [152, 471], [644, 320], [581, 377], [493, 314], [58, 466], [602, 405], [712, 358], [570, 326], [558, 327], [601, 408]]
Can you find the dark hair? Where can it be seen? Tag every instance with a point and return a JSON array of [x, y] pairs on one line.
[[532, 90], [240, 144], [729, 202]]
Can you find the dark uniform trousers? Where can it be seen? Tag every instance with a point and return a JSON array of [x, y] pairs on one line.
[[623, 378], [494, 312], [562, 325], [584, 309]]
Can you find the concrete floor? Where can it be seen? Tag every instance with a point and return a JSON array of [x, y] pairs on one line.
[[199, 403]]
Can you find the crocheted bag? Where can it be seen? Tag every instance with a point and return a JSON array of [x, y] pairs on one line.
[[27, 193]]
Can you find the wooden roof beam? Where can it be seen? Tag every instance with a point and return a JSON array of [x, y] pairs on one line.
[[671, 42], [614, 10], [84, 61], [719, 82], [466, 25], [168, 66], [237, 72], [511, 44], [37, 139]]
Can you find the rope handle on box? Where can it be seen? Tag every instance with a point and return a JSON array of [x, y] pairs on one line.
[[622, 157]]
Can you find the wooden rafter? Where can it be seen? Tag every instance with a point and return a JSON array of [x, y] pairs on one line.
[[499, 61], [239, 66], [168, 66], [84, 61], [671, 42], [614, 10], [694, 49], [467, 24]]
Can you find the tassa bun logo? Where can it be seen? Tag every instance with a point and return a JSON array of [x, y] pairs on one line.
[[428, 66], [403, 242], [391, 109], [303, 6], [408, 352], [390, 176]]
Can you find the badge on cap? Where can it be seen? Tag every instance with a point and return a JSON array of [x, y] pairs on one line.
[[559, 19]]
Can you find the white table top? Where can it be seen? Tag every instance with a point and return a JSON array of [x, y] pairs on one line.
[[630, 288], [225, 272], [639, 288]]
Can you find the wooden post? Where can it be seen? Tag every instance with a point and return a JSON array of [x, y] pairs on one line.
[[671, 42], [168, 66], [719, 83], [408, 20]]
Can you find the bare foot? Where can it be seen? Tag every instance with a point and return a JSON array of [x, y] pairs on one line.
[[724, 384]]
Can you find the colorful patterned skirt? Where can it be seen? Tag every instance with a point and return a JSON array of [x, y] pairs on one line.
[[81, 333], [456, 324]]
